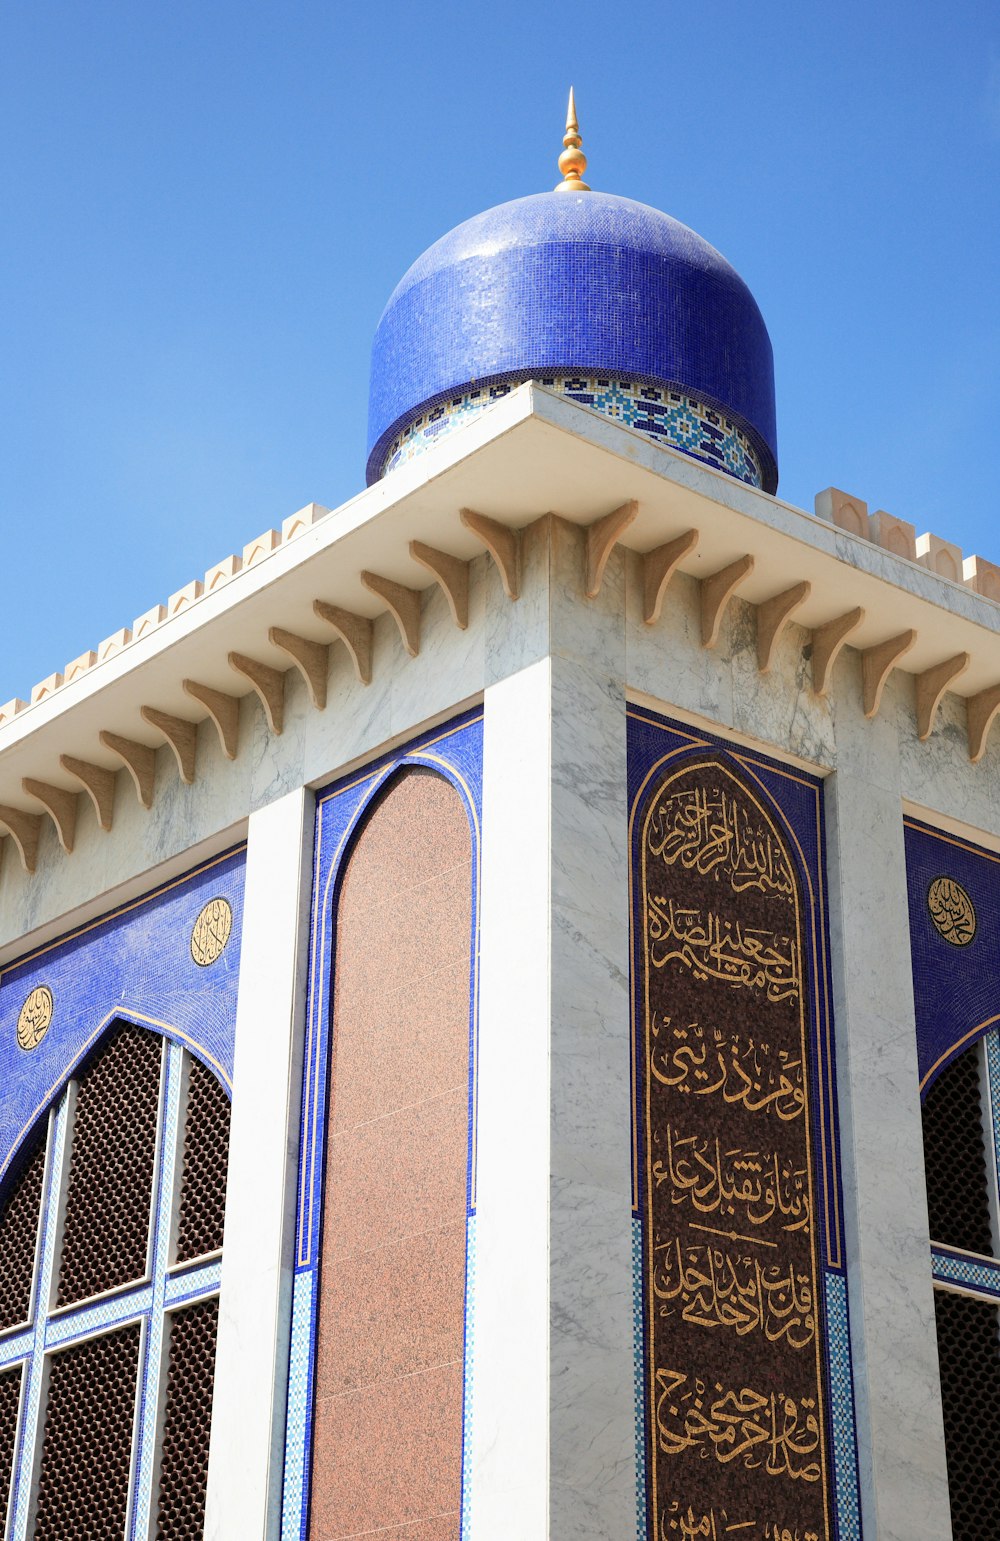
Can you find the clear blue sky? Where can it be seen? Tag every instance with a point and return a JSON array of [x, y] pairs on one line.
[[206, 206]]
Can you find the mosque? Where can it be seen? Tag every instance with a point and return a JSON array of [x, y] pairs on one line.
[[500, 981]]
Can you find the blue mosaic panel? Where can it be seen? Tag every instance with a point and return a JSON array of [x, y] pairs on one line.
[[795, 802], [669, 417], [135, 963], [556, 284], [455, 752], [949, 1266], [841, 1386], [956, 984]]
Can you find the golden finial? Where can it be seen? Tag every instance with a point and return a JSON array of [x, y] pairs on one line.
[[572, 161]]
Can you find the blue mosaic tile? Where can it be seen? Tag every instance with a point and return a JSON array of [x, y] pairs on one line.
[[639, 1379], [135, 964], [841, 1391], [293, 1518], [551, 284], [193, 1282], [953, 1267], [668, 417], [955, 987]]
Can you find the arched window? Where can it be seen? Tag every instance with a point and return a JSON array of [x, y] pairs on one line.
[[960, 1161], [110, 1240]]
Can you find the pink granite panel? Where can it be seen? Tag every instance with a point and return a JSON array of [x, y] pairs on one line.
[[387, 1453]]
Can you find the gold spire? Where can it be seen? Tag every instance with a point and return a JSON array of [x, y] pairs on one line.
[[572, 161]]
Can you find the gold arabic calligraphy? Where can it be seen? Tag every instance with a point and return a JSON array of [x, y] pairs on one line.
[[711, 830], [717, 1287], [211, 932], [757, 1428], [35, 1017], [744, 1069], [714, 947], [689, 1524], [952, 911]]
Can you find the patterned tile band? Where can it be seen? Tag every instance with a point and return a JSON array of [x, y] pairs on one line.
[[669, 417]]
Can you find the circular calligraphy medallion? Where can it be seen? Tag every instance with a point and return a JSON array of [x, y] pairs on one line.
[[34, 1017], [951, 911], [211, 932]]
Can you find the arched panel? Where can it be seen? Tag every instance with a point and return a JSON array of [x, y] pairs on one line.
[[387, 1425], [734, 1395]]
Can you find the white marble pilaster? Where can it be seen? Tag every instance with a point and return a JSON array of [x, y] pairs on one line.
[[904, 1486], [245, 1461], [553, 1412]]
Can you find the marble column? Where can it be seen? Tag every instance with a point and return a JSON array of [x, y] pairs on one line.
[[904, 1486], [248, 1420], [553, 1411]]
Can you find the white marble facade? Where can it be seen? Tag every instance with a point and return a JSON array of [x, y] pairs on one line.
[[554, 1424]]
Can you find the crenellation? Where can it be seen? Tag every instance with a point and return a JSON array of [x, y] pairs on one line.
[[258, 549], [186, 596], [302, 520], [78, 666], [144, 624], [892, 534], [114, 644], [982, 576], [221, 573], [844, 510], [46, 687], [941, 556]]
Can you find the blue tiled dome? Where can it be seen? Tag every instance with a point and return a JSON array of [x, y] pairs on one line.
[[589, 289]]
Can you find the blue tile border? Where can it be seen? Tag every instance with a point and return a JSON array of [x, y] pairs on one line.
[[455, 752]]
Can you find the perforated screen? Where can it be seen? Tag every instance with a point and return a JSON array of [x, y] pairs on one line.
[[206, 1152], [969, 1355], [958, 1201], [184, 1460], [10, 1394], [87, 1443], [111, 1168], [18, 1234]]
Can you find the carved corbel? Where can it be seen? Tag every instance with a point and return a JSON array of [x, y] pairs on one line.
[[312, 659], [139, 760], [60, 805], [827, 641], [403, 605], [772, 618], [355, 632], [503, 545], [716, 592], [877, 663], [99, 784], [980, 712], [658, 567], [602, 537], [931, 686], [25, 830], [268, 684], [452, 576], [224, 711], [180, 734]]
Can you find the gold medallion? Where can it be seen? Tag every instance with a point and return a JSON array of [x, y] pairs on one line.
[[951, 911], [34, 1017], [211, 932]]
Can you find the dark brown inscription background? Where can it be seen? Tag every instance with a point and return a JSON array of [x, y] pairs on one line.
[[734, 1396]]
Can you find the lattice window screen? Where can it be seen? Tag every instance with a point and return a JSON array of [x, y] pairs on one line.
[[969, 1356], [184, 1460], [10, 1396], [18, 1233], [206, 1152], [83, 1485], [955, 1157], [106, 1233]]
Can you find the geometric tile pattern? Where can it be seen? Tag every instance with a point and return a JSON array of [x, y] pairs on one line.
[[953, 1267], [453, 751], [675, 418], [845, 1447], [638, 1370]]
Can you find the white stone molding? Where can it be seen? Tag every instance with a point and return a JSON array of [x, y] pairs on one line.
[[248, 1413]]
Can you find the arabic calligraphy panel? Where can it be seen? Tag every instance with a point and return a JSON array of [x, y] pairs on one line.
[[734, 1389]]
